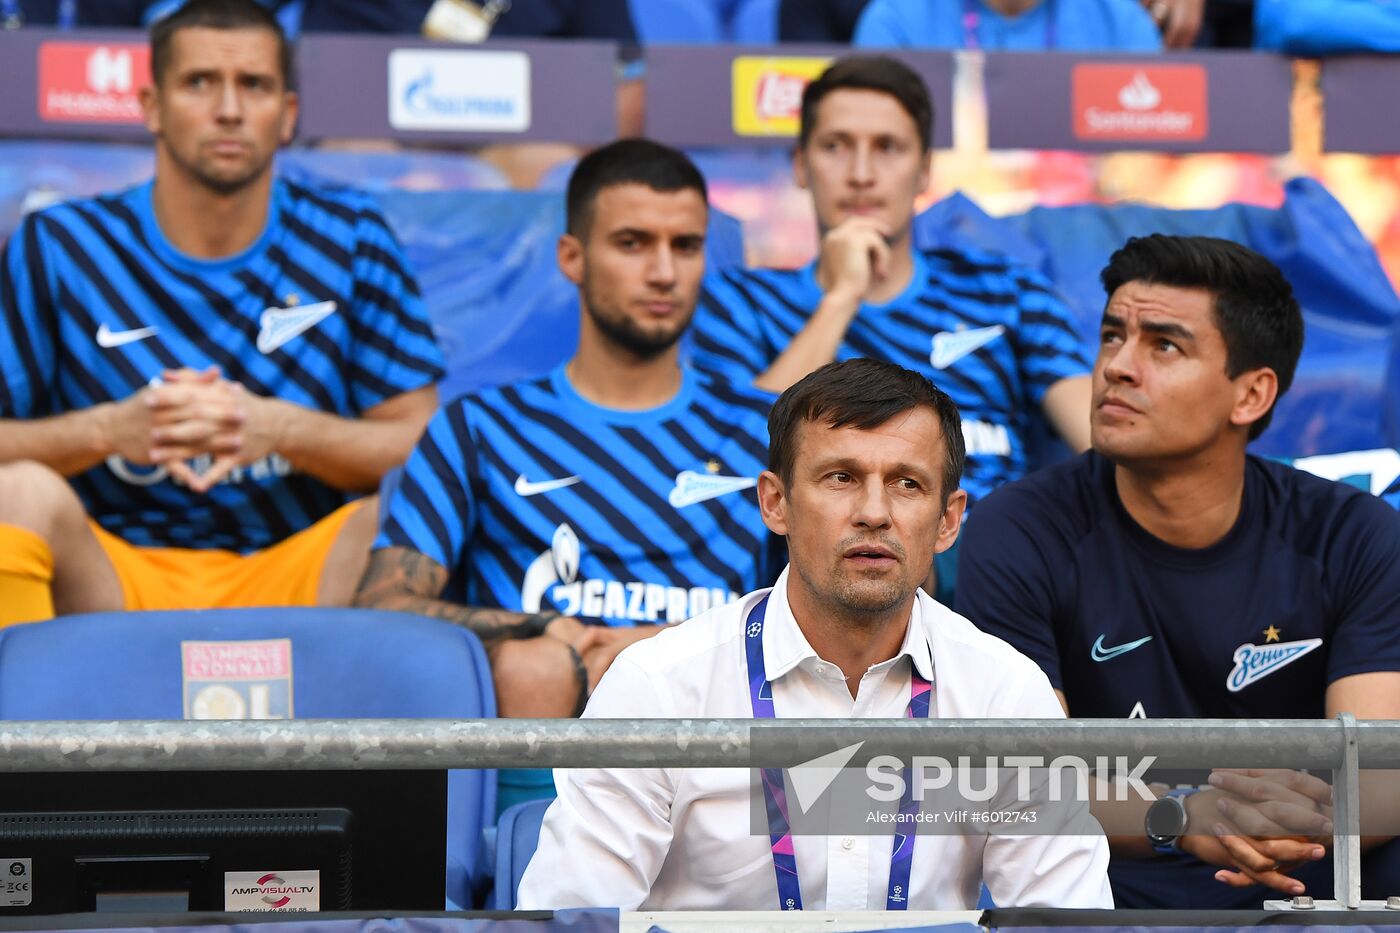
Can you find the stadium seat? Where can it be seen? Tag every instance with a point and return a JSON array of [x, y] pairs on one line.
[[516, 835], [688, 22], [754, 22], [1344, 393], [345, 663]]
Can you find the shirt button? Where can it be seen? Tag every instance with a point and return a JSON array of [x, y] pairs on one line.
[[848, 843]]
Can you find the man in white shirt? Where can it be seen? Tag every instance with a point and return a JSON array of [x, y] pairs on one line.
[[865, 459]]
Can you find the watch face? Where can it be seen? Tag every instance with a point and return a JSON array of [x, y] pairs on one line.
[[1166, 818]]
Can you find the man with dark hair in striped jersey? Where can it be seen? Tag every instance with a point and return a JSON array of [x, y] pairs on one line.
[[989, 332], [566, 516], [199, 374]]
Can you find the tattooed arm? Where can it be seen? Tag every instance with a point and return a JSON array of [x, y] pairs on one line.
[[404, 580]]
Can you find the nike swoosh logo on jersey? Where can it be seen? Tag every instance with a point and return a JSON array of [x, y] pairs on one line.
[[692, 487], [108, 338], [280, 325], [524, 487], [1100, 653], [1255, 662], [951, 346]]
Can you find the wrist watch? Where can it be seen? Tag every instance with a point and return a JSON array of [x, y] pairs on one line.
[[1165, 821]]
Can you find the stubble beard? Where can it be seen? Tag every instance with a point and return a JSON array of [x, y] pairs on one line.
[[622, 330]]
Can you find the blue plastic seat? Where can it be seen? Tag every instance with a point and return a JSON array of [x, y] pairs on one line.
[[754, 22], [516, 836], [345, 664], [688, 22]]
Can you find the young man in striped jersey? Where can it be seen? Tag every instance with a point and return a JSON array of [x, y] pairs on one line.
[[617, 489], [197, 374], [990, 333]]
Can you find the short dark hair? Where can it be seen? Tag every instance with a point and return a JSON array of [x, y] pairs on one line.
[[870, 73], [1253, 303], [219, 14], [863, 394], [627, 162]]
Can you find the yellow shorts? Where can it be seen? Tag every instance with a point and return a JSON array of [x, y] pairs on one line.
[[286, 574]]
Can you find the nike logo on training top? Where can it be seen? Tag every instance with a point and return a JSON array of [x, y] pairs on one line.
[[280, 325], [692, 487], [1100, 653], [108, 338], [1255, 662], [524, 487], [951, 346]]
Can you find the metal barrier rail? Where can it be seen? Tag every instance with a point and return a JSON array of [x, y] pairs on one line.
[[349, 744], [1344, 746]]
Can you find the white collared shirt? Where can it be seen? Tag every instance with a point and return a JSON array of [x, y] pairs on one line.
[[679, 838]]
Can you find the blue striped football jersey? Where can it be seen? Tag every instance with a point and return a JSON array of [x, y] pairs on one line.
[[991, 334], [320, 311], [536, 499]]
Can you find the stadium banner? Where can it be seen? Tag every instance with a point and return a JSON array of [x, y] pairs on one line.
[[66, 84], [415, 89], [1354, 88], [755, 92], [1218, 102]]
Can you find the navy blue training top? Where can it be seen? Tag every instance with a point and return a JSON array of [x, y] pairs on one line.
[[1303, 590]]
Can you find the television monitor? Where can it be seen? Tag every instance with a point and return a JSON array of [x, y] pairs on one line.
[[266, 841]]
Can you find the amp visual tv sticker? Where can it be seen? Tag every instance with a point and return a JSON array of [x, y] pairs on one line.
[[1140, 103], [238, 679], [272, 891]]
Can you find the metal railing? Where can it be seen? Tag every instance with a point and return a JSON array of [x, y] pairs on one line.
[[1344, 746]]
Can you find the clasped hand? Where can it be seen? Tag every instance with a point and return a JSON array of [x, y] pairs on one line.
[[192, 414], [1259, 825]]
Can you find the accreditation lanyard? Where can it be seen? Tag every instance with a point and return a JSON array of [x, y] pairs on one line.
[[775, 794], [972, 19]]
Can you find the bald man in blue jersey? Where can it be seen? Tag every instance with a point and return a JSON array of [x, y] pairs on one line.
[[199, 375], [566, 516]]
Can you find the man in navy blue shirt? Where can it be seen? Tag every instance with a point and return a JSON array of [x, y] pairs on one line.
[[1167, 573]]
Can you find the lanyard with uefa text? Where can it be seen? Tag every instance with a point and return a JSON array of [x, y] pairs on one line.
[[775, 793], [972, 19]]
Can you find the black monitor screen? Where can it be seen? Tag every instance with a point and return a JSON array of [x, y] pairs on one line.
[[267, 841]]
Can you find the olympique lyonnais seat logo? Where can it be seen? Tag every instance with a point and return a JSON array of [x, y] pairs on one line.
[[83, 82], [1140, 102], [767, 93]]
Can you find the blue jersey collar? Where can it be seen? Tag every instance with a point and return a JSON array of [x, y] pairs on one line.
[[570, 398], [143, 205]]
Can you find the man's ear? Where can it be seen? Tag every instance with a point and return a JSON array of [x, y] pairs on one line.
[[926, 174], [569, 252], [1255, 393], [800, 173], [149, 96], [289, 117], [950, 522], [773, 502]]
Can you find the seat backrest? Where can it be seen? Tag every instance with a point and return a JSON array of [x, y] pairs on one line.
[[517, 835], [754, 22], [692, 22], [344, 664]]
